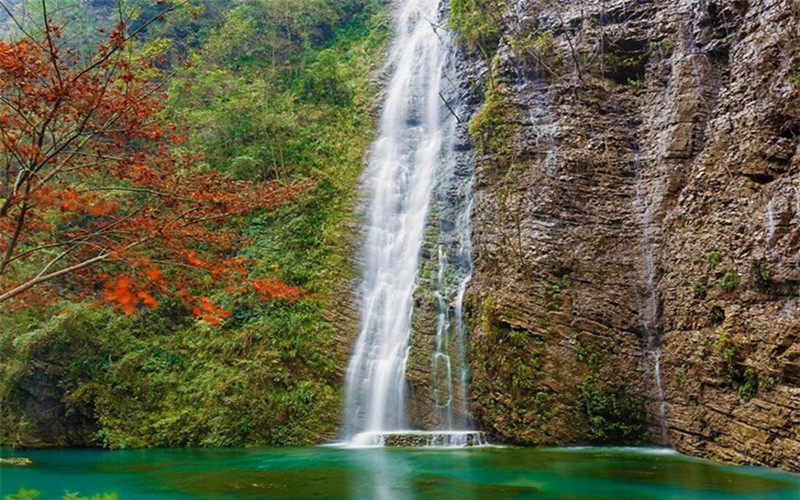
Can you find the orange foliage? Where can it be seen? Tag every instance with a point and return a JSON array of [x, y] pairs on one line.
[[272, 288], [97, 194]]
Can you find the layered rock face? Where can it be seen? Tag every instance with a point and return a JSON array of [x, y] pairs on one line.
[[637, 227]]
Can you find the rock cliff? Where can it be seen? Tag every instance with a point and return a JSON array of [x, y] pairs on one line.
[[637, 224]]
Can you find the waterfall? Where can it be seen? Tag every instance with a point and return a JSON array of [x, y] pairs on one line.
[[413, 158], [796, 220], [771, 228], [650, 310], [797, 204]]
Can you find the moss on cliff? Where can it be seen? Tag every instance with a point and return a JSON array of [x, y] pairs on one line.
[[495, 126], [508, 389], [611, 412], [479, 23]]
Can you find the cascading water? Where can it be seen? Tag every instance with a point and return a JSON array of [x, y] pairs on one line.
[[796, 220], [416, 143], [694, 10], [797, 204], [442, 365], [650, 313], [771, 228], [453, 206]]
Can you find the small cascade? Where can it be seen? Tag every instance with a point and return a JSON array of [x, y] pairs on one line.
[[465, 249], [662, 401], [796, 220], [694, 13], [770, 216], [442, 368], [454, 271], [781, 216], [797, 204], [771, 228], [693, 18], [649, 309]]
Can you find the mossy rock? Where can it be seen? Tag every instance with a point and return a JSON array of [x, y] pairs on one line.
[[15, 462]]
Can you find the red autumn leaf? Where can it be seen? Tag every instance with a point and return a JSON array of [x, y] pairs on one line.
[[147, 299]]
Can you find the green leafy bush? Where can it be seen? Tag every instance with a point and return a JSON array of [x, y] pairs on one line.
[[729, 281], [478, 22], [714, 259]]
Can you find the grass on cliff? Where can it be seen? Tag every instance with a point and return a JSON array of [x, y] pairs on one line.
[[479, 23], [264, 102]]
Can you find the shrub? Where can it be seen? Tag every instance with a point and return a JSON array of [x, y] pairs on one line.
[[729, 281]]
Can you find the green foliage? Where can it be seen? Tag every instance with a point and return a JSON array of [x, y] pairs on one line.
[[699, 290], [636, 84], [494, 129], [662, 49], [478, 23], [274, 34], [763, 276], [765, 282], [97, 496], [543, 402], [717, 314], [282, 90], [729, 280], [612, 413], [552, 296], [713, 259], [151, 383], [538, 48], [625, 67], [749, 386], [23, 494], [794, 77], [725, 346], [587, 352], [486, 315], [510, 361], [744, 380]]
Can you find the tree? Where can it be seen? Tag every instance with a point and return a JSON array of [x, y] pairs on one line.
[[97, 193]]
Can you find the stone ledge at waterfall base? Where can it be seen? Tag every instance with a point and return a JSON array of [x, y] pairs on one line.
[[419, 439]]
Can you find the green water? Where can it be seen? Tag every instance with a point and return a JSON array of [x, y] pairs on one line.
[[378, 474]]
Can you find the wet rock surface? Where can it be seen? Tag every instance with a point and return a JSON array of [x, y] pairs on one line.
[[51, 419], [638, 207], [431, 439]]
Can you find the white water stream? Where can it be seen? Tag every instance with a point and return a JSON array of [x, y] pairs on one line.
[[650, 309], [415, 144]]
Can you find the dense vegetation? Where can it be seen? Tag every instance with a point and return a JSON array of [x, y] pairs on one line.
[[271, 91]]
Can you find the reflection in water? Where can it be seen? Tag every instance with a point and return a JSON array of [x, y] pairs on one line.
[[385, 478], [393, 474]]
